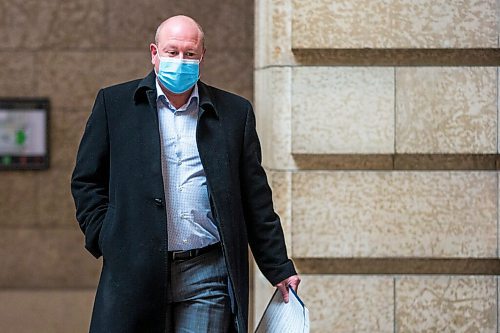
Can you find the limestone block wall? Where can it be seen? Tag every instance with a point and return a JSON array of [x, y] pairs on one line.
[[379, 126], [66, 50]]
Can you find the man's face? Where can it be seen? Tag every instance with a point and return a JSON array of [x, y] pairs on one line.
[[177, 39]]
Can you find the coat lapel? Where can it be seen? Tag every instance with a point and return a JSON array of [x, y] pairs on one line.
[[212, 148], [145, 100]]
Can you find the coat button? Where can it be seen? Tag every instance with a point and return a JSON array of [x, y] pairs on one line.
[[158, 202]]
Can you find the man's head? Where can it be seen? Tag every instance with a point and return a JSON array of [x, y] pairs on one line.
[[178, 37]]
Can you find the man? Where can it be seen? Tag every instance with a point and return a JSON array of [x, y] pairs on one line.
[[169, 189]]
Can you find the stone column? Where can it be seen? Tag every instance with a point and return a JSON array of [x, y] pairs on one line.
[[378, 121]]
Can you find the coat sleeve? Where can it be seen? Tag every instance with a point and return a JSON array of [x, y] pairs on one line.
[[265, 234], [90, 179]]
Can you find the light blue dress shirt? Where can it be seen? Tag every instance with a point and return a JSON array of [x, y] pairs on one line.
[[190, 223]]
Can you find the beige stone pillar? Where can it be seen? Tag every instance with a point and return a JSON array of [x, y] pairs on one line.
[[379, 126]]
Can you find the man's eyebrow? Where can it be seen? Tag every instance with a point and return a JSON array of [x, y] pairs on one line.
[[169, 46]]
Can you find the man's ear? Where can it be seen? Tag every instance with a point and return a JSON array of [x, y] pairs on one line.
[[203, 55], [153, 49]]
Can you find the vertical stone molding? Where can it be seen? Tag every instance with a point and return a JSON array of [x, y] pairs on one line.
[[273, 108], [273, 31], [55, 311], [281, 185]]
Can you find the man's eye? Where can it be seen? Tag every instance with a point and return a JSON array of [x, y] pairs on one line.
[[190, 54], [172, 53]]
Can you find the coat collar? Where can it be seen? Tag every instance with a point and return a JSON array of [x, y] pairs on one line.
[[148, 85]]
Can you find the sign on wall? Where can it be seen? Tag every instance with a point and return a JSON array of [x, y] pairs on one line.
[[24, 135]]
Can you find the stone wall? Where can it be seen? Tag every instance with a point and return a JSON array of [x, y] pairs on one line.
[[379, 122], [66, 50]]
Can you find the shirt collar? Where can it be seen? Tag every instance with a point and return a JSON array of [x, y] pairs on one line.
[[195, 97]]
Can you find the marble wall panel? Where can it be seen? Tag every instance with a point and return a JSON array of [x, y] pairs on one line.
[[48, 258], [231, 71], [343, 110], [446, 110], [273, 108], [54, 311], [72, 79], [349, 303], [67, 128], [56, 207], [18, 198], [52, 24], [227, 25], [342, 24], [17, 75], [394, 214], [446, 304]]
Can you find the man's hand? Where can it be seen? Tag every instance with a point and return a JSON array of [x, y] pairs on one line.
[[292, 282]]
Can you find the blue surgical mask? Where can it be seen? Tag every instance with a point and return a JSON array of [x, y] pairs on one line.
[[178, 75]]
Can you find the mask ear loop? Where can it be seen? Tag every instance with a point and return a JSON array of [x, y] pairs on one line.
[[199, 62]]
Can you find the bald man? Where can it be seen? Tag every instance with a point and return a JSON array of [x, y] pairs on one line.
[[169, 189]]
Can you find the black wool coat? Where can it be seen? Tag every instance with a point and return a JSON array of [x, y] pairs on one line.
[[117, 186]]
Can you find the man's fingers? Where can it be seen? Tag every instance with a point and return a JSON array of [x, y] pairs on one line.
[[294, 285], [284, 291], [293, 282]]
